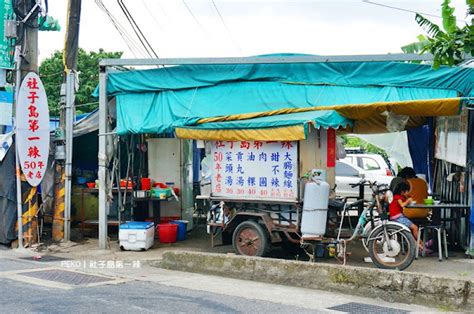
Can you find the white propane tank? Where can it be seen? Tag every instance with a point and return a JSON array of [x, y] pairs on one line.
[[315, 205]]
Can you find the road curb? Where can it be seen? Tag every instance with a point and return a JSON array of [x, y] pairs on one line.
[[392, 286]]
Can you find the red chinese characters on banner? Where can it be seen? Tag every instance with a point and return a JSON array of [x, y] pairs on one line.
[[331, 149], [254, 169], [32, 128]]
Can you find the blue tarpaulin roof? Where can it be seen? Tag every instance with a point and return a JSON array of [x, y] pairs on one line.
[[161, 100]]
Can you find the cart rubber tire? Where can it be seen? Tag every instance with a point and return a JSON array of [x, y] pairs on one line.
[[250, 239]]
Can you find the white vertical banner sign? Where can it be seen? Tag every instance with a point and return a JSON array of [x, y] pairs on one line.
[[255, 170], [32, 131], [451, 139]]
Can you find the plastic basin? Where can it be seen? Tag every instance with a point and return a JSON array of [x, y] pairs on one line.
[[167, 233]]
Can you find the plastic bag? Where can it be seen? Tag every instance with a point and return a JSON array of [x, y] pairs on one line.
[[396, 122]]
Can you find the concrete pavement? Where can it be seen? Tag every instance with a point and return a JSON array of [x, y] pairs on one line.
[[145, 288], [87, 250]]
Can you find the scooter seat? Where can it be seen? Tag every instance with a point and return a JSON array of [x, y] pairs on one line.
[[336, 204]]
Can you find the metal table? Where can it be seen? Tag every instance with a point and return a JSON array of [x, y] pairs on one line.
[[114, 222], [84, 222], [454, 224], [156, 215]]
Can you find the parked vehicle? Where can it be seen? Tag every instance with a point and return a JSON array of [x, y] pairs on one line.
[[347, 174], [390, 245], [254, 228], [371, 163]]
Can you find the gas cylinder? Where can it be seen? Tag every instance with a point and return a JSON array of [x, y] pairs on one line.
[[315, 206]]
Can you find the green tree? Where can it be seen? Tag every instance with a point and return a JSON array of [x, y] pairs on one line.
[[449, 45], [357, 142], [52, 73]]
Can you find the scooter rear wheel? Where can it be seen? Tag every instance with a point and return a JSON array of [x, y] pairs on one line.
[[399, 254]]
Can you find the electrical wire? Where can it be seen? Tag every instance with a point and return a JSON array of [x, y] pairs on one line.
[[194, 17], [405, 10], [87, 104], [152, 16], [123, 33], [162, 9], [141, 37], [125, 12], [134, 47], [51, 74], [225, 26]]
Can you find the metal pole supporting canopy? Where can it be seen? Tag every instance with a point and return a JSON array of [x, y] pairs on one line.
[[103, 110], [268, 60]]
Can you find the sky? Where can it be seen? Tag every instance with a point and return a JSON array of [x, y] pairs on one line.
[[194, 28]]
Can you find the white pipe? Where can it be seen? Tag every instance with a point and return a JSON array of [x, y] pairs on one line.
[[102, 156], [70, 95], [17, 160]]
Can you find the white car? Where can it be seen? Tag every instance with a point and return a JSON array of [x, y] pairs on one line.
[[347, 174], [370, 163]]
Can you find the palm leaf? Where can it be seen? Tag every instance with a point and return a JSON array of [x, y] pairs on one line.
[[430, 28], [416, 47]]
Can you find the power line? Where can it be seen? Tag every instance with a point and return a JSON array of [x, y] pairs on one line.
[[162, 9], [137, 30], [194, 17], [152, 16], [135, 49], [405, 10], [225, 25]]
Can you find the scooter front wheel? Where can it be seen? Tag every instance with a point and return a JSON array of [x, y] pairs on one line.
[[396, 253]]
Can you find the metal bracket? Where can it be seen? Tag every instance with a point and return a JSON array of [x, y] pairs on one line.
[[37, 4]]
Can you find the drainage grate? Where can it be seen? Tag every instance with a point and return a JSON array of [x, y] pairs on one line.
[[46, 258], [66, 277], [356, 308]]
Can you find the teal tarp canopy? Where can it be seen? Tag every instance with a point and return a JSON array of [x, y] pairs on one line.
[[161, 112], [159, 100], [320, 119]]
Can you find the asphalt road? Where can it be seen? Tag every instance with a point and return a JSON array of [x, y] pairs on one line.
[[128, 297], [149, 289]]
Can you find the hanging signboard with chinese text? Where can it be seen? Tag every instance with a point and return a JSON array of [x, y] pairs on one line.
[[32, 130], [6, 44], [255, 170], [451, 139]]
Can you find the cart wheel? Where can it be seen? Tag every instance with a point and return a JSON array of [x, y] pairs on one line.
[[250, 239]]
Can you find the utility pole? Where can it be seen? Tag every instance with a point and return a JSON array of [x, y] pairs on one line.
[[63, 191], [27, 61]]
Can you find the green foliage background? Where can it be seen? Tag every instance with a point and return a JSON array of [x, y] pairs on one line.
[[449, 43], [356, 142], [52, 74]]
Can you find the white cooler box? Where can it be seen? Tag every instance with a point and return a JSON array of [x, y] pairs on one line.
[[136, 235]]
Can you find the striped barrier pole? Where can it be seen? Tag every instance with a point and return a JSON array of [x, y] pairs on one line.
[[59, 192]]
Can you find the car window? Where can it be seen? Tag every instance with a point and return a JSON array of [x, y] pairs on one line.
[[348, 159], [369, 164], [345, 170]]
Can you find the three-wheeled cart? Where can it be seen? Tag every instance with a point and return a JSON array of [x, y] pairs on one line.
[[257, 193], [252, 227]]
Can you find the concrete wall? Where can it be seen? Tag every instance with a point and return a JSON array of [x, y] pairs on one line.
[[393, 286]]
